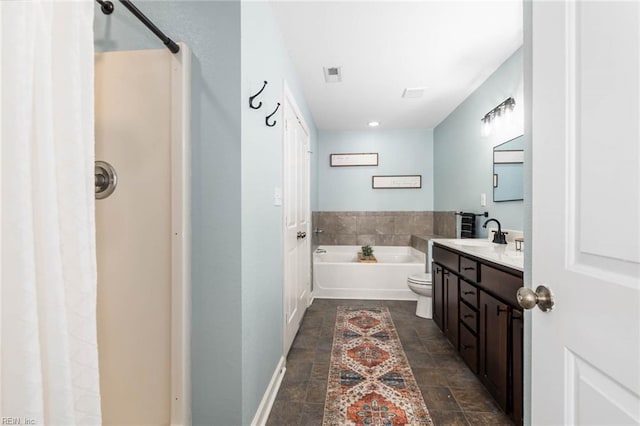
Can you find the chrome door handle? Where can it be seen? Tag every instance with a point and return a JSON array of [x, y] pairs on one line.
[[542, 297], [106, 179]]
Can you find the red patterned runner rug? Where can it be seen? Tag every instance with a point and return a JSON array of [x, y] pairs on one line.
[[370, 380]]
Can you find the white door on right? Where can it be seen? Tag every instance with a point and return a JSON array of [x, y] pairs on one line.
[[297, 272], [586, 212]]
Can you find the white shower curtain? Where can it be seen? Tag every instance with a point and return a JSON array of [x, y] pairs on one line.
[[49, 364]]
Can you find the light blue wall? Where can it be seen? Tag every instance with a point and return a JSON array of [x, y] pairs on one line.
[[401, 152], [464, 159], [212, 30], [264, 57]]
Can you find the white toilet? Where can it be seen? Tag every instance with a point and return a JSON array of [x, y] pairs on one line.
[[420, 284]]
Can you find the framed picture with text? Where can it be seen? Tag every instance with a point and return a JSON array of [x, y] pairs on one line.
[[353, 159], [396, 182]]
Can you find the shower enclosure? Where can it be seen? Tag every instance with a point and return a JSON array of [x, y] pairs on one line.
[[142, 121]]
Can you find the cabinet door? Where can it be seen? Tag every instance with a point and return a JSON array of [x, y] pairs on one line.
[[494, 362], [517, 360], [469, 347], [451, 283], [438, 295]]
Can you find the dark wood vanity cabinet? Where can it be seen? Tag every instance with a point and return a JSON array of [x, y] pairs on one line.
[[474, 305], [437, 295], [445, 301], [516, 386], [494, 340], [469, 319], [451, 319]]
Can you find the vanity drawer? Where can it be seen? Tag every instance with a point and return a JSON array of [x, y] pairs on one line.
[[469, 294], [469, 269], [500, 283], [469, 317], [469, 348], [446, 258]]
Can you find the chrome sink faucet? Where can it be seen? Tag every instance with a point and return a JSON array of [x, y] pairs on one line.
[[498, 236]]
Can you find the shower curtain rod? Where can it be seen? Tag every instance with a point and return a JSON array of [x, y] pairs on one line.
[[107, 8]]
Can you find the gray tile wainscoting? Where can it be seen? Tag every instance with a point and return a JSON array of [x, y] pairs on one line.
[[445, 224], [380, 228]]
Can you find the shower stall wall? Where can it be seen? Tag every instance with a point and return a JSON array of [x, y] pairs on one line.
[[142, 123]]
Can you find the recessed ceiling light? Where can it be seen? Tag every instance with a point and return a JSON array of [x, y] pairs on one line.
[[413, 92], [373, 124]]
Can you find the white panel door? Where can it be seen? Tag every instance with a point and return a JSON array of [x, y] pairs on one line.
[[585, 212], [297, 274], [304, 214]]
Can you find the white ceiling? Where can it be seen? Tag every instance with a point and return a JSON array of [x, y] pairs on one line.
[[449, 47]]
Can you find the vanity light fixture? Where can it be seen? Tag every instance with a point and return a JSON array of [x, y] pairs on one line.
[[503, 110], [373, 124]]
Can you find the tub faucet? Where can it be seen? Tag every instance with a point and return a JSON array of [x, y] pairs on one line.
[[498, 236]]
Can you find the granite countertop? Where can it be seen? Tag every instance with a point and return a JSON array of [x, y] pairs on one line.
[[502, 254]]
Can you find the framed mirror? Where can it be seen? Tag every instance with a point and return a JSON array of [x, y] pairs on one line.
[[508, 170]]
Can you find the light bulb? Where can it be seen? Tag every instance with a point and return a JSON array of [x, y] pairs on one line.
[[485, 129], [508, 109]]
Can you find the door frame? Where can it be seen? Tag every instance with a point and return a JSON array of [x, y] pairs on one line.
[[527, 78], [181, 237], [289, 99]]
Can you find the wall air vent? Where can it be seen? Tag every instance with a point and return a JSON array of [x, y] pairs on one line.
[[413, 92], [332, 74]]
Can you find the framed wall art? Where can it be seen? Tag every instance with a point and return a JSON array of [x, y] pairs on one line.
[[396, 182], [353, 159]]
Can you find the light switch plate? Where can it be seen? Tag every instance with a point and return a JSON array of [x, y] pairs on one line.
[[483, 200]]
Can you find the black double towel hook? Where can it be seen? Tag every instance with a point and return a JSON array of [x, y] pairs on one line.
[[259, 105], [266, 120], [251, 98]]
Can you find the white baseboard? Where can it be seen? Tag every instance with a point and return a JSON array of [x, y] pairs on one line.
[[264, 409]]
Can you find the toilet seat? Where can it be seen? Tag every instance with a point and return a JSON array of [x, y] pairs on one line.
[[420, 279]]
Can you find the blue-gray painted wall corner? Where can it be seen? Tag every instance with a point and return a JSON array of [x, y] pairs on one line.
[[264, 58], [463, 158]]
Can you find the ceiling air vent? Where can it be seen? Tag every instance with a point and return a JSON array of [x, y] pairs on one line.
[[332, 74], [413, 92]]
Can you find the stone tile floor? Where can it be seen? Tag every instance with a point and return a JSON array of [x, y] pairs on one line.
[[453, 394]]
